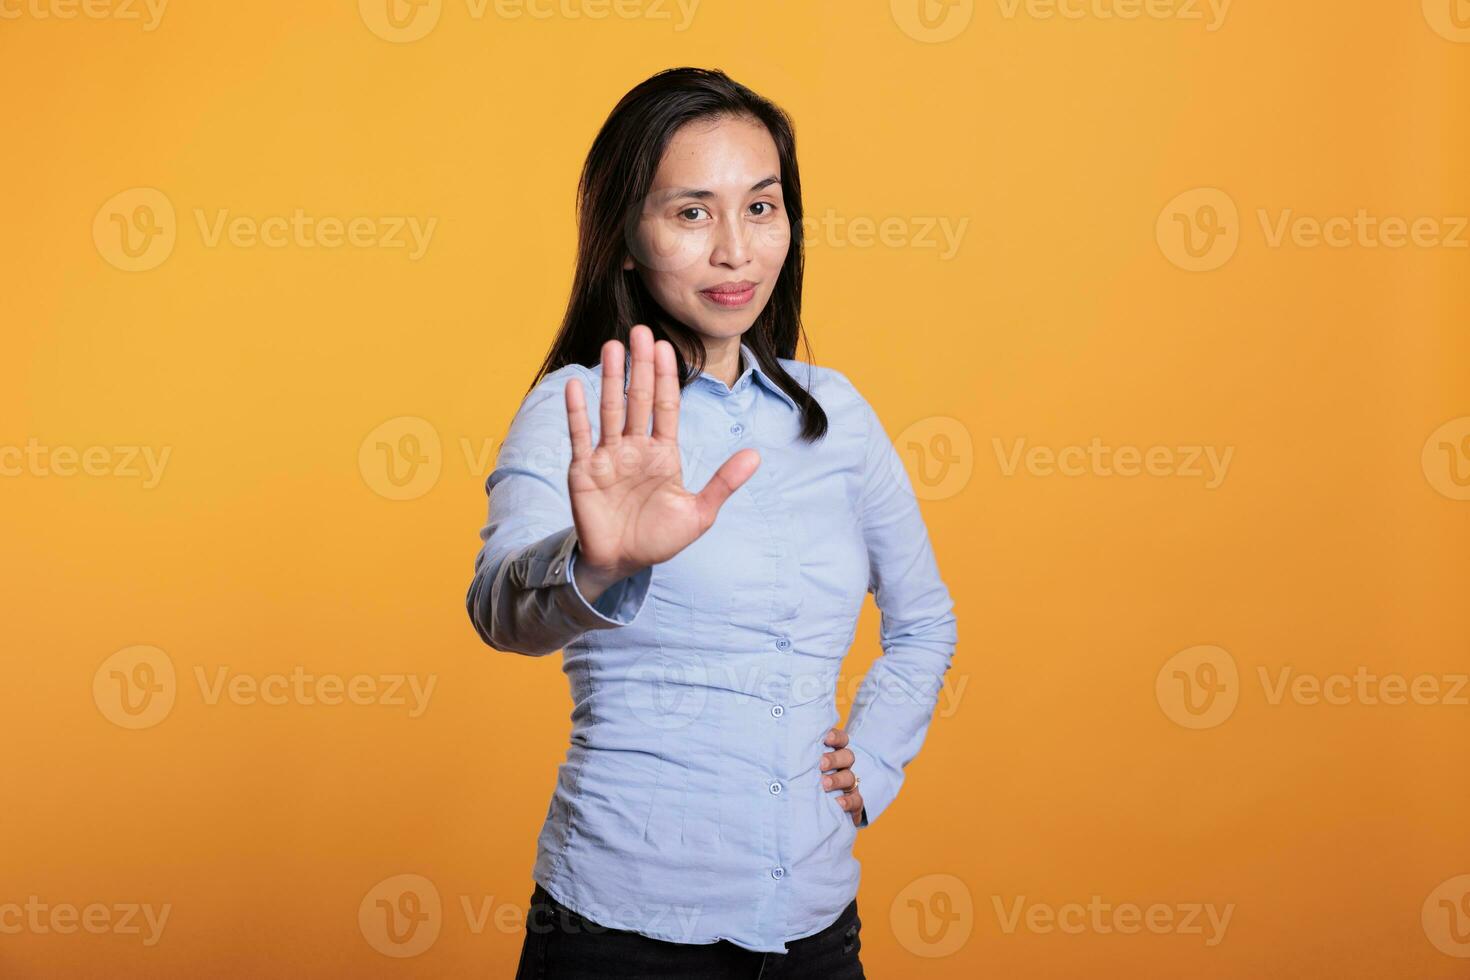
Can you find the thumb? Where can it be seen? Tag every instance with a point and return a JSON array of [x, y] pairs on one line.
[[727, 479]]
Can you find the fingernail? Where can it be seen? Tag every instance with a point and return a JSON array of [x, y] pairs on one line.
[[826, 762]]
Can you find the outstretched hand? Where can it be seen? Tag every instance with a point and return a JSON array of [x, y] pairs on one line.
[[627, 493]]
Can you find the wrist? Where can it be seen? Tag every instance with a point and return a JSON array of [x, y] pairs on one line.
[[593, 579]]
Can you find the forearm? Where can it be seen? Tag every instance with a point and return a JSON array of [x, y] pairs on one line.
[[891, 714], [532, 600]]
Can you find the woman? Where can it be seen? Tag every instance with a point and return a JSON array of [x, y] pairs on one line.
[[703, 821]]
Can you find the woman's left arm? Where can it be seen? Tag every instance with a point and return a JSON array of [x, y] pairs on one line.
[[894, 705]]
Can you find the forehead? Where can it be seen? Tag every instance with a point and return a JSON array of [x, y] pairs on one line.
[[725, 155]]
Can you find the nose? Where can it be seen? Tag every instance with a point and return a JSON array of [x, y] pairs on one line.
[[732, 245]]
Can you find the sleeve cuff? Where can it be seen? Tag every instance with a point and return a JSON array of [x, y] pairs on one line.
[[879, 785], [549, 564]]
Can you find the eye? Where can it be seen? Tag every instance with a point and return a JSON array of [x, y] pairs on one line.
[[770, 208], [693, 208]]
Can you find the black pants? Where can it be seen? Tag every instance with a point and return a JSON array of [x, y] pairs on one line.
[[562, 945]]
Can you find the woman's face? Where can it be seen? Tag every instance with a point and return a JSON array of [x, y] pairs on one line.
[[713, 232]]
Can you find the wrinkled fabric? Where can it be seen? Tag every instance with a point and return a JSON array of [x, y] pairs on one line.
[[689, 807]]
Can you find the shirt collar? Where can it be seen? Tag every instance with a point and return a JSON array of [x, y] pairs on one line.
[[752, 367]]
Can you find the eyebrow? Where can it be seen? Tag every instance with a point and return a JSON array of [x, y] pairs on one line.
[[678, 192]]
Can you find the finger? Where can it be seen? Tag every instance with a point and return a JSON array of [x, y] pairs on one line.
[[727, 479], [640, 386], [841, 759], [852, 802], [577, 423], [836, 737], [841, 779], [612, 393], [665, 392]]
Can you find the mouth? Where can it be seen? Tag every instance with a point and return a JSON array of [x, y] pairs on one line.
[[730, 294]]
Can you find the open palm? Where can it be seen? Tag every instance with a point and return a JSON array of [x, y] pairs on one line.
[[627, 493]]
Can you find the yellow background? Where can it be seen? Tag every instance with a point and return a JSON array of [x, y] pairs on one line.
[[270, 543]]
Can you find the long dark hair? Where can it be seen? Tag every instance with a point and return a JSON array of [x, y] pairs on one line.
[[607, 300]]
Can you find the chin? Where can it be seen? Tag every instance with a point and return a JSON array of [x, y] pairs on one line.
[[721, 328]]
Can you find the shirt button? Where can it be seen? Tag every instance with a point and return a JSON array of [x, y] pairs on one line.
[[777, 711], [778, 873], [775, 789], [783, 644], [557, 569], [736, 428]]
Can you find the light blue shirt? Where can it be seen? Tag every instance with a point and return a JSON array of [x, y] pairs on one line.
[[690, 806]]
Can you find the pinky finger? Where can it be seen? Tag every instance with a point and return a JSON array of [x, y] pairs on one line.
[[577, 424]]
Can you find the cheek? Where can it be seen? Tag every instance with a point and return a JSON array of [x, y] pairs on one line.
[[665, 287], [668, 250], [771, 243]]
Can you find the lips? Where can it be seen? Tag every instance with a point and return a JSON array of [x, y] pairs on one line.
[[730, 293]]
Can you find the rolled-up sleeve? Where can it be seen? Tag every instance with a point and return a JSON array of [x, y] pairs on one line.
[[895, 703], [523, 597]]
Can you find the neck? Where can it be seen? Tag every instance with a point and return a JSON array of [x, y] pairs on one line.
[[722, 359]]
